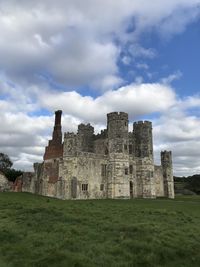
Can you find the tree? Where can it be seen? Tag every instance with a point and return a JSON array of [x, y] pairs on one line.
[[12, 174], [5, 162], [194, 183]]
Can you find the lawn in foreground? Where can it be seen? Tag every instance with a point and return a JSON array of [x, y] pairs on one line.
[[41, 231]]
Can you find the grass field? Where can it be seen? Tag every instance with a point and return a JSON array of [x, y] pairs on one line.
[[40, 231]]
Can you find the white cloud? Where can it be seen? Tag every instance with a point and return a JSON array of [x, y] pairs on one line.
[[138, 51], [143, 66], [24, 134], [24, 137], [74, 42], [172, 77], [136, 99], [80, 43]]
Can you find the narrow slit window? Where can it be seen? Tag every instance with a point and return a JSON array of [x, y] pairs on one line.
[[131, 169], [103, 170]]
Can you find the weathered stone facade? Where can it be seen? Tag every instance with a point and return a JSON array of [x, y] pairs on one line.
[[4, 183], [113, 164]]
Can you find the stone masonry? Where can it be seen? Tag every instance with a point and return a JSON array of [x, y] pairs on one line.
[[4, 183], [115, 163]]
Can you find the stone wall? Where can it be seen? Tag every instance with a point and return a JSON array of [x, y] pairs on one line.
[[28, 182], [4, 183], [84, 176], [158, 174]]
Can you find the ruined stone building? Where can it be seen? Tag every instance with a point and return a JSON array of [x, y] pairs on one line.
[[113, 164]]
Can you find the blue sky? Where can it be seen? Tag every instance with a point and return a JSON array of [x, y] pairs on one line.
[[92, 57]]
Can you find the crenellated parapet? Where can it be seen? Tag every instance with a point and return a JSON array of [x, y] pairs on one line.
[[69, 135], [85, 128], [117, 125], [117, 116], [102, 135], [142, 124], [166, 158]]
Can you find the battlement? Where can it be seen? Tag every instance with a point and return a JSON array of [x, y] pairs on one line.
[[102, 135], [166, 155], [85, 128], [69, 135], [142, 124], [117, 116]]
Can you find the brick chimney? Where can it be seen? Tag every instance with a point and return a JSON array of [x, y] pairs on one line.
[[55, 146]]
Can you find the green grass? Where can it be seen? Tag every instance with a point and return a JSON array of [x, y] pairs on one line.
[[40, 231]]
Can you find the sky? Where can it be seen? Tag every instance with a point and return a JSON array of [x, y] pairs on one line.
[[92, 57]]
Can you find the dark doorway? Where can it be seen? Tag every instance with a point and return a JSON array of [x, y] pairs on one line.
[[74, 187], [131, 189]]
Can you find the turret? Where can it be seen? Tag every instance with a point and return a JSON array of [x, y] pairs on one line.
[[142, 136], [85, 137], [117, 126], [118, 167], [143, 139], [166, 162]]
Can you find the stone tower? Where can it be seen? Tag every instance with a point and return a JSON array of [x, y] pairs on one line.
[[118, 166], [143, 144], [85, 137], [166, 162], [55, 146]]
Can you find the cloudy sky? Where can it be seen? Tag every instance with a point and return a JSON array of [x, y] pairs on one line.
[[91, 57]]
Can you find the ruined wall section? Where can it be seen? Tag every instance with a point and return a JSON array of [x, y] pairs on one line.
[[28, 184], [159, 183], [166, 162], [49, 177], [118, 144], [36, 183], [144, 159], [85, 176]]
